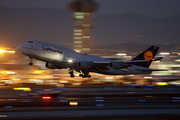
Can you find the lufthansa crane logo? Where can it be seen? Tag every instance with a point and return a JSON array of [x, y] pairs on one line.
[[148, 55]]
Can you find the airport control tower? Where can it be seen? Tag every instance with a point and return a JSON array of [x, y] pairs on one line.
[[82, 17]]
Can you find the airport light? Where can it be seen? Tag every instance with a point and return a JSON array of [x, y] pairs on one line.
[[164, 53], [10, 51], [2, 51], [121, 54]]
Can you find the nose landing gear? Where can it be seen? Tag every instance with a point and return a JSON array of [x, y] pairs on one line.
[[31, 62]]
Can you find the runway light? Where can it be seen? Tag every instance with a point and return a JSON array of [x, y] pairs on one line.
[[46, 97], [73, 103]]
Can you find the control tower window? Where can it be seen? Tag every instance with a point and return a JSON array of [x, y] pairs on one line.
[[30, 41]]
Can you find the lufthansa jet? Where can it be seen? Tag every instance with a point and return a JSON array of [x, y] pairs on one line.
[[58, 57]]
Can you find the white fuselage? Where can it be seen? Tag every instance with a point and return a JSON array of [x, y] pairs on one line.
[[49, 53]]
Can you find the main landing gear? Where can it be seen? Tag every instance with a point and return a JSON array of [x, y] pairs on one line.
[[31, 61], [84, 75], [71, 73]]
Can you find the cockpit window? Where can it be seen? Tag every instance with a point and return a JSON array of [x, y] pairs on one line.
[[30, 41]]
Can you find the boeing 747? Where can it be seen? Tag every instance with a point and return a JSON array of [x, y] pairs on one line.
[[58, 57]]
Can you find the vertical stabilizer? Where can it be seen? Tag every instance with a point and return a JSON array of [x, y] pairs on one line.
[[148, 54]]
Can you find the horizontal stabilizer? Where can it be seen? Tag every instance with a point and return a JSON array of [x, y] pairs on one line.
[[144, 69]]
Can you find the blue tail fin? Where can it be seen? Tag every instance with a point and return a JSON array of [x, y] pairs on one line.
[[148, 54]]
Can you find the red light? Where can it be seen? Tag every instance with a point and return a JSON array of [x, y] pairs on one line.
[[152, 59], [46, 97]]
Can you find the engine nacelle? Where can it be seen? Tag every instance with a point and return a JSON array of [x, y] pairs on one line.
[[116, 65], [83, 65], [52, 66]]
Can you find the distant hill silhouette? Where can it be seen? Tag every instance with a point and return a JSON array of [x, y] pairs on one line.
[[17, 25]]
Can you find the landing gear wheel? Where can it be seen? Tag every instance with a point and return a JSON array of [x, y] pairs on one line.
[[80, 75], [30, 63], [72, 76], [71, 73], [89, 76]]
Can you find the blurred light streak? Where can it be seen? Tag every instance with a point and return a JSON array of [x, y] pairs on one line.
[[46, 97], [177, 60], [147, 77], [10, 51], [164, 53], [99, 100], [161, 83], [47, 89], [63, 81], [24, 89], [176, 97], [148, 96], [121, 54], [130, 92], [148, 88], [109, 78], [12, 99], [3, 116], [25, 101], [98, 97], [175, 100], [73, 103], [108, 87], [99, 104], [63, 100], [117, 88], [170, 88], [141, 100], [8, 106], [128, 56], [76, 83], [2, 51], [10, 72], [23, 95]]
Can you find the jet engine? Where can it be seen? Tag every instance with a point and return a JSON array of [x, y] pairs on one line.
[[52, 66], [116, 65], [83, 65]]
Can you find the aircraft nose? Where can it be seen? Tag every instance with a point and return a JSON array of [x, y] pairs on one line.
[[19, 47]]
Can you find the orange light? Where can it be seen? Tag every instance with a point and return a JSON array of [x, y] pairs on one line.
[[46, 97]]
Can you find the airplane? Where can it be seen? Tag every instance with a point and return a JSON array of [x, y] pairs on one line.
[[58, 57]]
